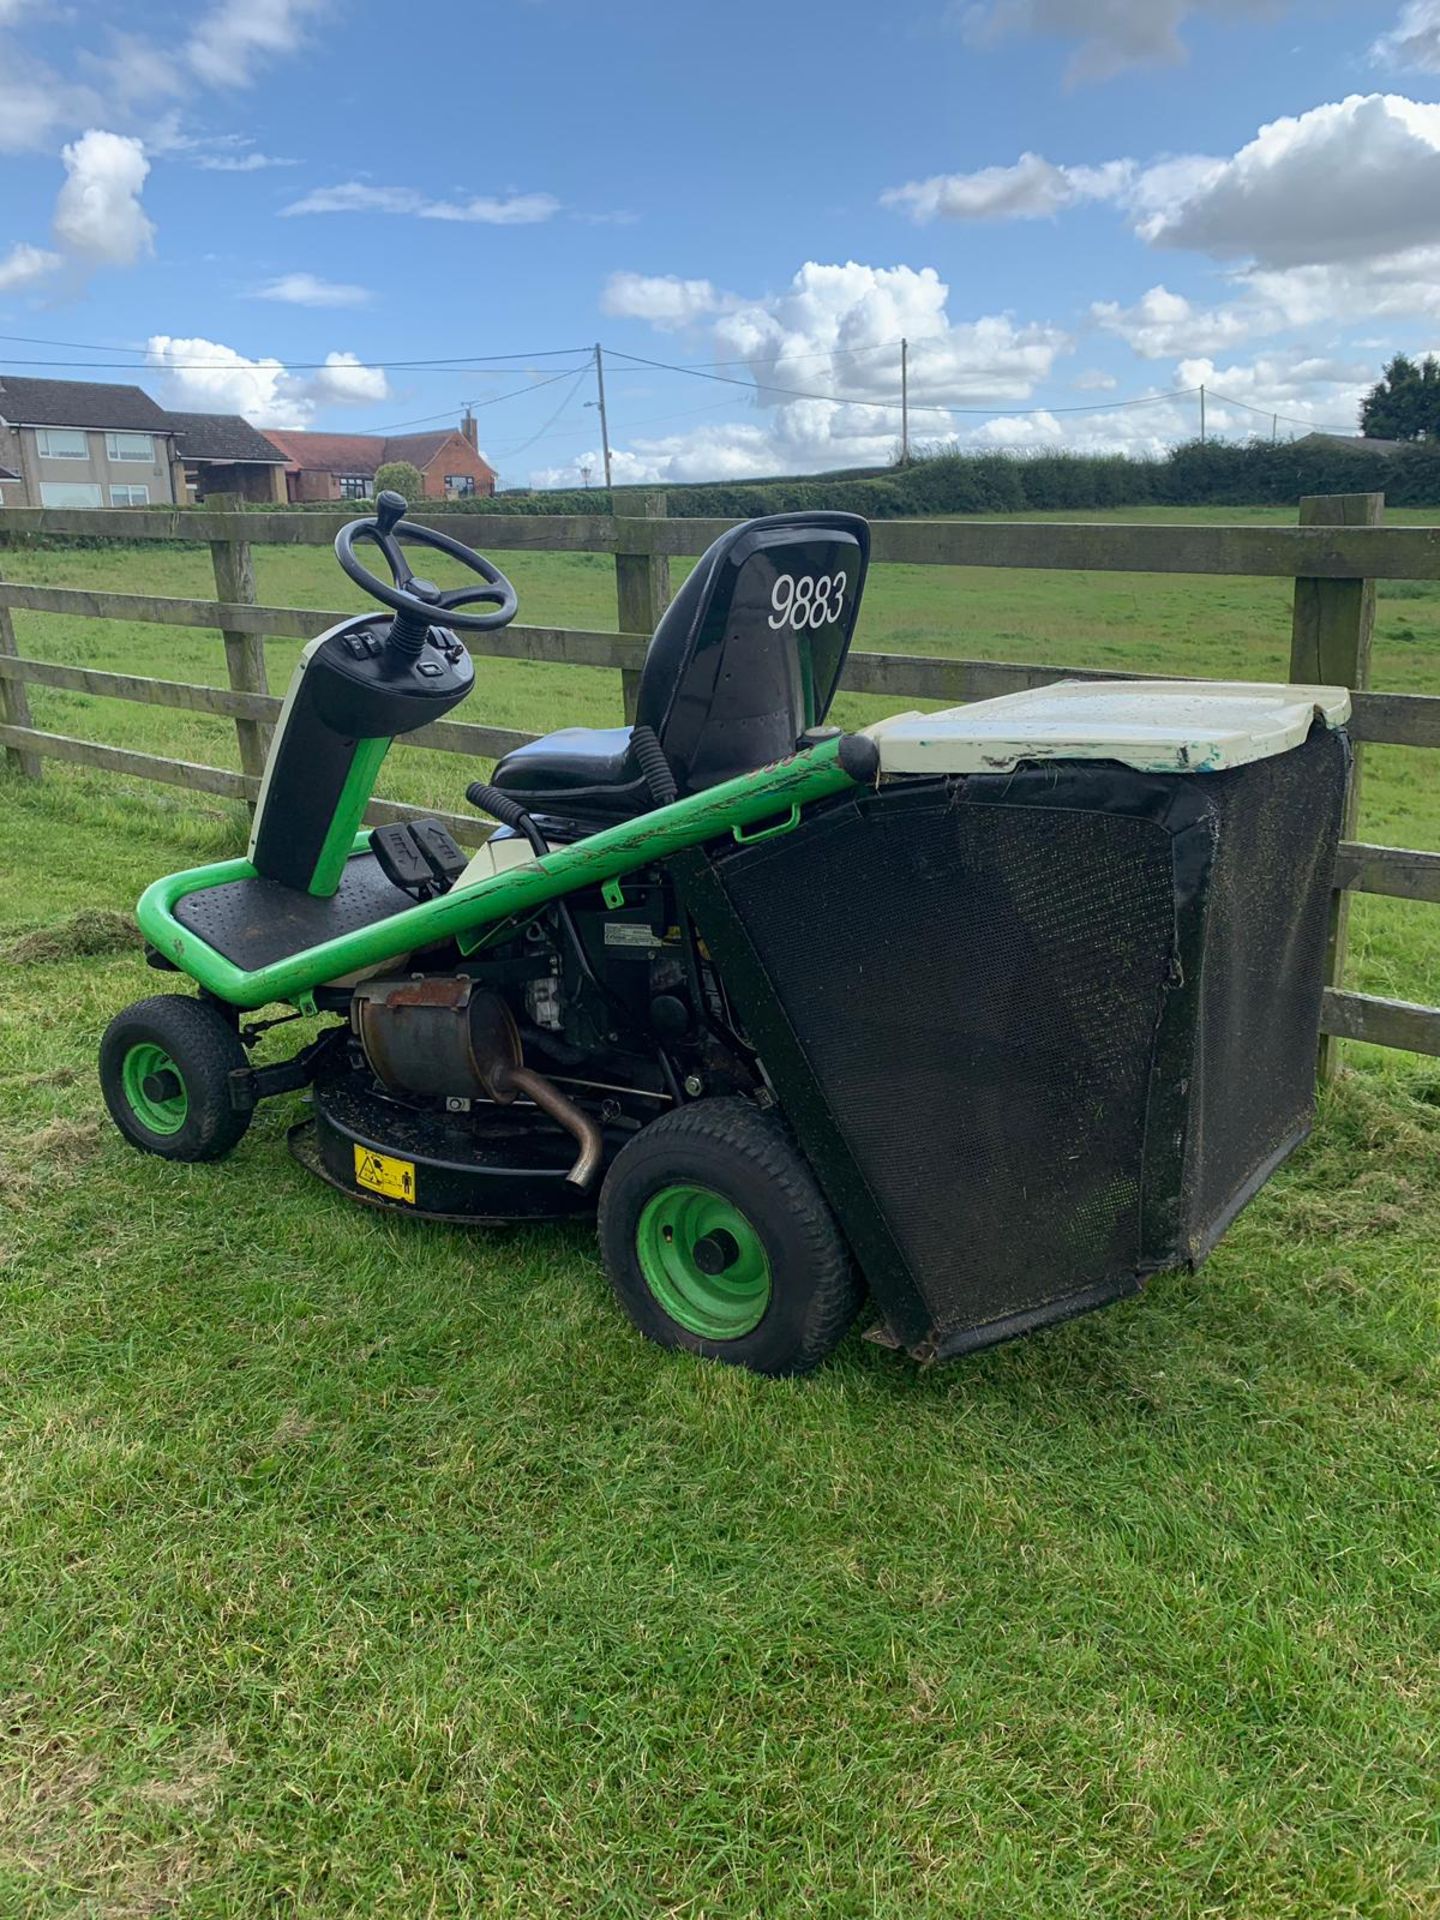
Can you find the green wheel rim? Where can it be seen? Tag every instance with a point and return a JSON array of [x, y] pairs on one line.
[[682, 1235], [143, 1062]]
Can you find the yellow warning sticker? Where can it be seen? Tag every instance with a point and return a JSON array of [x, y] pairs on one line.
[[394, 1179]]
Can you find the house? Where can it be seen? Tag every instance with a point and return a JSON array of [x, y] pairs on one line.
[[14, 479], [82, 443], [342, 466], [223, 453], [1355, 443]]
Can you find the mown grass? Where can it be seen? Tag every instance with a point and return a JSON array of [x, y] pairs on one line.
[[356, 1567], [351, 1568]]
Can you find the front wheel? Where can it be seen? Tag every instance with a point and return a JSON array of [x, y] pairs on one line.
[[717, 1239], [165, 1067]]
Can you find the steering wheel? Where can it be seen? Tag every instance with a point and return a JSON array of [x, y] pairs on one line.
[[420, 603]]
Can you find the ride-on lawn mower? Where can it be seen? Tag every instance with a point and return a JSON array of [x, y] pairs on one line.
[[993, 1011]]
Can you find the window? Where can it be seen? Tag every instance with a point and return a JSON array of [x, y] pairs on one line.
[[354, 486], [62, 443], [70, 493], [459, 486], [129, 496], [131, 446]]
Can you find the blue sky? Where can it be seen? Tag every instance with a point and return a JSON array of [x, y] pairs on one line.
[[269, 206]]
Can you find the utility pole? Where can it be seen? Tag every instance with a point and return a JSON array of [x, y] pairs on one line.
[[1202, 412], [904, 403], [1275, 430], [604, 422]]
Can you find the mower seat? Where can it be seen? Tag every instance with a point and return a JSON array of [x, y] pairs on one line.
[[746, 659], [591, 770]]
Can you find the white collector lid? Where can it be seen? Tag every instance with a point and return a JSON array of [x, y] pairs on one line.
[[1158, 726]]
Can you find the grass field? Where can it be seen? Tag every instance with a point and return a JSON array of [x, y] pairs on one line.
[[351, 1568]]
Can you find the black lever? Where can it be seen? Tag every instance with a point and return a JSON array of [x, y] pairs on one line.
[[390, 510]]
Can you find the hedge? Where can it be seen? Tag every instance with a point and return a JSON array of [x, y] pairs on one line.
[[1214, 474]]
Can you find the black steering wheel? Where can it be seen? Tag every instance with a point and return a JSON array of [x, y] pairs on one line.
[[420, 603]]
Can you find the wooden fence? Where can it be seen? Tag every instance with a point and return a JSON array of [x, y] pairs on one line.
[[1334, 556]]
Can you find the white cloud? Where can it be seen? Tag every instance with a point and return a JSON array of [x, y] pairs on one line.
[[663, 299], [1414, 40], [239, 162], [206, 376], [1108, 35], [355, 196], [36, 103], [1162, 324], [133, 71], [1328, 216], [1356, 179], [344, 382], [1033, 189], [98, 216], [834, 332], [1310, 389], [308, 290], [1094, 381], [25, 264], [236, 37]]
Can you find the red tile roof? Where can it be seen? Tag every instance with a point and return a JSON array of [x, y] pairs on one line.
[[330, 452], [359, 453]]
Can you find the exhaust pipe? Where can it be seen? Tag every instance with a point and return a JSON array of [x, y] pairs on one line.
[[444, 1035]]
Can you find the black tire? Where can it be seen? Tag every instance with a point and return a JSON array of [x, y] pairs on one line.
[[728, 1150], [201, 1050]]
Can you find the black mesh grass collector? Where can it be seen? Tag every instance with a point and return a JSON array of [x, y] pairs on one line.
[[1043, 1017]]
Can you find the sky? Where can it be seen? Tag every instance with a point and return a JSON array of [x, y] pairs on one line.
[[1078, 212]]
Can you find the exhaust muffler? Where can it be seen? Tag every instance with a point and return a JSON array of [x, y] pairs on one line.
[[444, 1035]]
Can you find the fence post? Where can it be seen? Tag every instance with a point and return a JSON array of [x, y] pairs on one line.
[[642, 593], [15, 704], [1334, 625], [244, 652]]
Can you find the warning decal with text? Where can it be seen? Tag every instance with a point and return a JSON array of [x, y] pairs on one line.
[[393, 1179]]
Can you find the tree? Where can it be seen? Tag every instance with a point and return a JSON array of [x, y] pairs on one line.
[[400, 477], [1405, 403]]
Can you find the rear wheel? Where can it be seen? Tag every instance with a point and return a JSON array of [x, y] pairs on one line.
[[165, 1067], [717, 1239]]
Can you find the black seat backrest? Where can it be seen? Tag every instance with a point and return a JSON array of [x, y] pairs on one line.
[[749, 652]]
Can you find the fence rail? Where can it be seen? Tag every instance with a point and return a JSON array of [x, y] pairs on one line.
[[1334, 557]]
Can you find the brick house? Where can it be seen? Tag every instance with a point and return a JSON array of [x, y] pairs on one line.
[[342, 466], [84, 443]]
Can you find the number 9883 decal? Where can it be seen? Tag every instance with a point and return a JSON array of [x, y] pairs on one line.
[[807, 602]]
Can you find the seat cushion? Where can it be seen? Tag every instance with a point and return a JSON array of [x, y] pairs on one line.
[[578, 773]]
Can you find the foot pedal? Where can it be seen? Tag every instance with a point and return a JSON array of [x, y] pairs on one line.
[[418, 856], [447, 860]]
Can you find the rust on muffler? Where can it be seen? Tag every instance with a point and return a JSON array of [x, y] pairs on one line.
[[445, 1036]]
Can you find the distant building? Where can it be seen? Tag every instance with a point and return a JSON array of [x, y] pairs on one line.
[[1354, 443], [342, 466], [82, 443], [223, 453]]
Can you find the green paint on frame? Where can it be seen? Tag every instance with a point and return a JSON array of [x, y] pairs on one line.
[[349, 812], [465, 912]]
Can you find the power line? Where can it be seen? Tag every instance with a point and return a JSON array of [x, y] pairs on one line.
[[1271, 413], [577, 374], [894, 406], [452, 363], [476, 406]]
